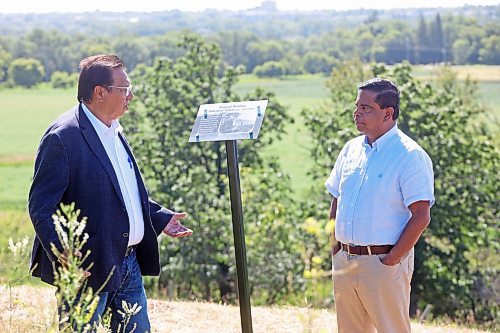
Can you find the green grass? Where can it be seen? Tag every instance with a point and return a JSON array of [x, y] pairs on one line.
[[16, 180], [489, 94], [295, 94], [24, 116]]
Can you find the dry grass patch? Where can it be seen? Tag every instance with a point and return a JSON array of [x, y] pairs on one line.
[[481, 73], [33, 309]]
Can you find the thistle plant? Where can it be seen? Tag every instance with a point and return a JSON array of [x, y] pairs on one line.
[[18, 256], [78, 301], [127, 313]]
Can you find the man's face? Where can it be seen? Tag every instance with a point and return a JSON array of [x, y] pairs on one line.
[[117, 99], [369, 118]]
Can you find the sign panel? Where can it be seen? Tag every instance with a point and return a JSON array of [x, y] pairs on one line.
[[228, 121]]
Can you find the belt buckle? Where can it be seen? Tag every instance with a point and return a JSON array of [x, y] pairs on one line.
[[349, 249]]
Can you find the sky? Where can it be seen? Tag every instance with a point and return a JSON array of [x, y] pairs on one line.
[[46, 6]]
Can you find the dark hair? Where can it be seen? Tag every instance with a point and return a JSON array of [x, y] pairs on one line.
[[387, 93], [96, 71]]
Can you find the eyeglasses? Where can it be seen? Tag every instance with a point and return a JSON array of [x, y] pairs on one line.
[[128, 90]]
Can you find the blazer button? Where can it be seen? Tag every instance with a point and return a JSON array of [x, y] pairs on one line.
[[125, 234]]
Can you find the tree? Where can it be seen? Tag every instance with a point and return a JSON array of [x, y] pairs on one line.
[[436, 39], [52, 50], [315, 62], [422, 40], [260, 52], [26, 72], [443, 119], [63, 80], [490, 52], [270, 69], [462, 50], [192, 177], [233, 46], [132, 51], [5, 59]]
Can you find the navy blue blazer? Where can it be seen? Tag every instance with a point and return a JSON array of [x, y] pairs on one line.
[[72, 166]]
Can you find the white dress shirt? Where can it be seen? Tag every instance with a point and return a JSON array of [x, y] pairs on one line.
[[124, 170], [375, 185]]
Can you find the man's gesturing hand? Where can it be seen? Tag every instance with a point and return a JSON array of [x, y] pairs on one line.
[[175, 229]]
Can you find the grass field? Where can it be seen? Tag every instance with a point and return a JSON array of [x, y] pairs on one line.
[[25, 114], [295, 94]]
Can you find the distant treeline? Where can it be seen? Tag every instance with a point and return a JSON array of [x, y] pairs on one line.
[[266, 43]]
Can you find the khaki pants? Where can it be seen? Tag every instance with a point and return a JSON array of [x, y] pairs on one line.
[[370, 296]]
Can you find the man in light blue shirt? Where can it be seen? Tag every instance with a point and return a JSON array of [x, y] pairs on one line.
[[382, 187]]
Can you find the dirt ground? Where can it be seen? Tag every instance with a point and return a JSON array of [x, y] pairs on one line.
[[33, 309]]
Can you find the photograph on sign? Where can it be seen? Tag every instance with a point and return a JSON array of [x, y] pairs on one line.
[[228, 121]]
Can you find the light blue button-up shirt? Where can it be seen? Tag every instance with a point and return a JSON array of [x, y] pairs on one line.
[[374, 185], [124, 170]]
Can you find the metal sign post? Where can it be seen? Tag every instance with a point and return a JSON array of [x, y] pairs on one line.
[[230, 122], [239, 236]]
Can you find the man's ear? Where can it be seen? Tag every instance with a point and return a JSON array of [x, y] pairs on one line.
[[99, 93], [388, 113]]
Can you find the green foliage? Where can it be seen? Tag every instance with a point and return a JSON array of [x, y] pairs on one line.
[[192, 177], [14, 270], [26, 72], [464, 231], [53, 49], [19, 258], [63, 80], [274, 242], [5, 59], [467, 35], [270, 69], [264, 51], [316, 244], [79, 302], [316, 62], [131, 51], [490, 53]]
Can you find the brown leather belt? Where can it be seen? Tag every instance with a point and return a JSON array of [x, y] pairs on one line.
[[366, 250]]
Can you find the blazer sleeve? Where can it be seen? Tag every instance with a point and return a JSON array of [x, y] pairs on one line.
[[160, 216], [50, 181]]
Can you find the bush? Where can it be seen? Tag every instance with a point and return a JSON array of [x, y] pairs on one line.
[[63, 80], [26, 72], [270, 69], [315, 62]]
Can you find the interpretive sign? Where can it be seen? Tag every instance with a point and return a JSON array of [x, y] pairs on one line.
[[228, 121]]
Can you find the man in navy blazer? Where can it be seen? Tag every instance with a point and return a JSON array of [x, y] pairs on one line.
[[84, 158]]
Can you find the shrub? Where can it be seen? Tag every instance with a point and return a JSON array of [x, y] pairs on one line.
[[26, 72], [63, 80]]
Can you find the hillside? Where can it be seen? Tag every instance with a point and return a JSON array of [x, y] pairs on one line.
[[32, 309]]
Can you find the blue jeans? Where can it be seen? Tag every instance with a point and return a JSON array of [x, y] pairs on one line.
[[132, 292]]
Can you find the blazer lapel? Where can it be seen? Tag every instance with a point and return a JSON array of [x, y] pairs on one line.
[[96, 146]]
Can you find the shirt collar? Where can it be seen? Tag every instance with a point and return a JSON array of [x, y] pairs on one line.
[[100, 127], [381, 142]]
